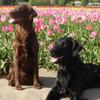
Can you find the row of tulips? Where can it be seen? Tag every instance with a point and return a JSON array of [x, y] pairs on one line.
[[52, 23]]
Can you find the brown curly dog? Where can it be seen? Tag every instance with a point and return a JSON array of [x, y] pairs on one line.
[[24, 69]]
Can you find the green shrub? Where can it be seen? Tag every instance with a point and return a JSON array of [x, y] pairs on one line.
[[39, 2], [21, 0], [61, 2], [84, 2]]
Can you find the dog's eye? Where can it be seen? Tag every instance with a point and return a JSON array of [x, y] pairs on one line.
[[64, 45]]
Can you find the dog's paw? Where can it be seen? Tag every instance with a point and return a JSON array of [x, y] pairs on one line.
[[37, 86], [11, 83], [19, 88]]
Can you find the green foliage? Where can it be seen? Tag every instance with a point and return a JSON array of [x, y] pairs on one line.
[[39, 2], [4, 2], [91, 45], [61, 2], [6, 53], [21, 0], [84, 2], [31, 1]]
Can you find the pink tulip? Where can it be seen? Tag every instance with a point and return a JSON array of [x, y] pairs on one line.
[[83, 18], [4, 28], [74, 18], [50, 32], [64, 19], [58, 20], [43, 26], [3, 18], [88, 27], [97, 16], [39, 24], [35, 20], [56, 27], [10, 28], [41, 20], [37, 28], [92, 18], [38, 21], [93, 34], [51, 21], [50, 46], [59, 31]]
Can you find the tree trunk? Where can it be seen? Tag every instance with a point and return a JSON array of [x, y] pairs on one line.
[[53, 2], [85, 2]]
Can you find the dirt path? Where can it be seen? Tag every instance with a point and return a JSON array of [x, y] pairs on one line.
[[29, 93]]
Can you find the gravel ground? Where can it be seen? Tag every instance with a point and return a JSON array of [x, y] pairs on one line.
[[29, 93]]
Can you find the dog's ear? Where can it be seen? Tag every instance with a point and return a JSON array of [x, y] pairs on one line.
[[76, 47], [33, 14]]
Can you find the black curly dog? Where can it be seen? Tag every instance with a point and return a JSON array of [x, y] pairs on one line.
[[73, 76]]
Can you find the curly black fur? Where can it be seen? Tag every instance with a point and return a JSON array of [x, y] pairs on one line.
[[73, 76]]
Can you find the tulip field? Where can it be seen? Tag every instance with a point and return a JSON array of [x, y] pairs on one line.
[[51, 23]]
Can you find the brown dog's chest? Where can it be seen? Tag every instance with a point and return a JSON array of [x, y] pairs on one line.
[[26, 53]]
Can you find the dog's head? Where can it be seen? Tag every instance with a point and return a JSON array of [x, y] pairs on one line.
[[64, 48], [22, 13]]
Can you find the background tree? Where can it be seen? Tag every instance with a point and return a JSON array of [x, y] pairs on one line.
[[21, 0], [70, 2], [40, 2], [61, 2], [4, 2], [84, 2], [53, 2], [31, 1]]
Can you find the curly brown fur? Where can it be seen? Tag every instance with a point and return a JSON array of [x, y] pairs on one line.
[[24, 69]]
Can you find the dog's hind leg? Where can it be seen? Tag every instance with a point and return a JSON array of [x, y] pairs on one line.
[[10, 76], [11, 81]]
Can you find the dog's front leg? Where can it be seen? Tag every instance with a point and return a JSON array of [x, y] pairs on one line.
[[76, 96], [57, 92], [16, 66], [36, 81], [76, 90], [54, 94], [17, 82]]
